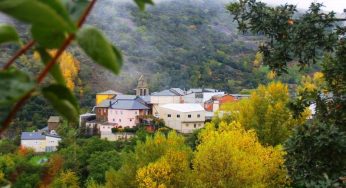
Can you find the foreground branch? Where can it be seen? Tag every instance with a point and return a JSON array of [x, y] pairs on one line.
[[46, 70]]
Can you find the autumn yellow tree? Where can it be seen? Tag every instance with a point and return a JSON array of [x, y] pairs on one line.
[[160, 161], [229, 156], [266, 112], [69, 67]]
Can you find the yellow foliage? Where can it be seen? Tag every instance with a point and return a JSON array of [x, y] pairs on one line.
[[312, 83], [266, 112], [271, 75], [258, 59], [154, 175], [230, 156], [69, 66], [171, 165]]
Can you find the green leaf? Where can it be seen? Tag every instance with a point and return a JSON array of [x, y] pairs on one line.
[[47, 37], [44, 14], [141, 3], [8, 34], [94, 43], [55, 70], [14, 84], [62, 100]]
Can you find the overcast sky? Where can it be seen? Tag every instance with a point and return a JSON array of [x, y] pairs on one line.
[[335, 5]]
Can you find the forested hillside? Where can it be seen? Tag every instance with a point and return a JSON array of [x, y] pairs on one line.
[[178, 44], [173, 43]]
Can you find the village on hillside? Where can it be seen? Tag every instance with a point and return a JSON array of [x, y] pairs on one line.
[[117, 116]]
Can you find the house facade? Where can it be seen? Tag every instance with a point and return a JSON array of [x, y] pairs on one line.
[[184, 117], [126, 110], [40, 142]]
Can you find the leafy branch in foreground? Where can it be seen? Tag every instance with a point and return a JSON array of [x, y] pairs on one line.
[[54, 25]]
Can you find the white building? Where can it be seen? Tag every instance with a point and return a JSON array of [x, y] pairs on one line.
[[184, 118], [168, 96], [200, 95], [40, 142]]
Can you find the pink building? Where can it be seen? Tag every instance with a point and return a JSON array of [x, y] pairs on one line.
[[124, 111]]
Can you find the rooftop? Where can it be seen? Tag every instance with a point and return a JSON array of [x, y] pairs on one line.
[[109, 92], [32, 136], [170, 92], [184, 107], [126, 104]]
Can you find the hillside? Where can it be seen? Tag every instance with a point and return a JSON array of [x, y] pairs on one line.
[[175, 44]]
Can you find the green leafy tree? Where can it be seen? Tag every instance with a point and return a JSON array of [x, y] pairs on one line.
[[316, 152], [306, 38], [100, 162]]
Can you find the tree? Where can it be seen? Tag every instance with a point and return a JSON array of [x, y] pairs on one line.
[[230, 156], [100, 162], [66, 179], [323, 157], [155, 155], [306, 38], [266, 112]]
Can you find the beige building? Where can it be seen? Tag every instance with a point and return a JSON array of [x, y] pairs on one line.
[[185, 117]]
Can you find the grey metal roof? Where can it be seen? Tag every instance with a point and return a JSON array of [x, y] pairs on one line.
[[128, 105], [169, 92], [54, 119], [145, 98], [110, 92], [126, 97], [32, 136], [178, 91]]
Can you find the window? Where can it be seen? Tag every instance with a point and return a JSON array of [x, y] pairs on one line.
[[194, 125], [189, 116], [121, 112], [198, 115], [187, 125], [199, 124], [136, 112], [119, 120], [178, 115], [113, 119], [168, 115], [131, 119]]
